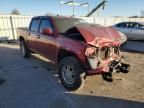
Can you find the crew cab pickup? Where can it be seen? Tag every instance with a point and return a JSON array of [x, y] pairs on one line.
[[77, 47]]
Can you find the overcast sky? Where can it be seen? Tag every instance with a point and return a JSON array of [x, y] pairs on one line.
[[41, 7]]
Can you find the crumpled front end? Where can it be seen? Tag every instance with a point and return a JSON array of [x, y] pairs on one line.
[[103, 50], [102, 59]]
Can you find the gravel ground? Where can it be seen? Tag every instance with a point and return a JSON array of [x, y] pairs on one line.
[[34, 83]]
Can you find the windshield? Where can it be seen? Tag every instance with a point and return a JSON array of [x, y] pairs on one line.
[[63, 24]]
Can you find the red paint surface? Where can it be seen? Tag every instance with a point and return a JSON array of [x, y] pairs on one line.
[[100, 36]]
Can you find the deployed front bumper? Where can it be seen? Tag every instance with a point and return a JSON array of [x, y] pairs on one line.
[[110, 66], [112, 63]]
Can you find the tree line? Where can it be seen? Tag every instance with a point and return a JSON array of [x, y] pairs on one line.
[[17, 12]]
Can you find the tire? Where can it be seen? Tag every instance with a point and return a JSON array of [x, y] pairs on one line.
[[125, 67], [107, 76], [71, 73], [24, 50]]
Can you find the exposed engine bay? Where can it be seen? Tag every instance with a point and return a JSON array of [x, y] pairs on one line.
[[108, 58]]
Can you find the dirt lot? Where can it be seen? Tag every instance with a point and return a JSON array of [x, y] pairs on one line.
[[34, 83]]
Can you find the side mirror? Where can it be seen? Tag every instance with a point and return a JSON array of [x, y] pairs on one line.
[[47, 31]]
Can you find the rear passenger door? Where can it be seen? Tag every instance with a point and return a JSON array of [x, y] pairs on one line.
[[33, 34], [137, 33], [141, 32]]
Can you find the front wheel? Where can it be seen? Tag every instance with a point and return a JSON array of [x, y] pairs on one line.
[[70, 73], [24, 50], [107, 76]]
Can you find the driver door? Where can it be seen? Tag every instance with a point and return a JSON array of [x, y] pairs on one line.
[[46, 43]]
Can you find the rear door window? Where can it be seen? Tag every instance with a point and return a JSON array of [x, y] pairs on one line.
[[136, 26], [34, 25]]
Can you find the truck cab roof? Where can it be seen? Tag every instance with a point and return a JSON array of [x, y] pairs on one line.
[[55, 17]]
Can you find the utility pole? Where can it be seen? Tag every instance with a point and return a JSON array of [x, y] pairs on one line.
[[85, 5], [73, 4], [60, 8], [73, 8], [70, 3]]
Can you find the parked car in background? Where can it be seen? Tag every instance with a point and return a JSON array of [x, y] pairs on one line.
[[133, 30], [77, 47]]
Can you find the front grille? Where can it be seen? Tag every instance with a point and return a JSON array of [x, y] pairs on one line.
[[102, 54]]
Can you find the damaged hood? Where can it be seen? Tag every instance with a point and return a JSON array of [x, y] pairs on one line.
[[100, 36]]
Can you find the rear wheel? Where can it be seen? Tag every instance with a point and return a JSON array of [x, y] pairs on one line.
[[24, 50], [70, 73]]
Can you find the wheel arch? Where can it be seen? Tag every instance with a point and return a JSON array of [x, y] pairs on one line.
[[65, 53], [21, 38]]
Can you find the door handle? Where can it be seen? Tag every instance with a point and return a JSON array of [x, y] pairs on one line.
[[38, 36]]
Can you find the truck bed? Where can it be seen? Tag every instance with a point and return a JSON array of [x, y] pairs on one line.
[[22, 31]]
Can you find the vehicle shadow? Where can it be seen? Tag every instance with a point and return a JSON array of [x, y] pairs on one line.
[[46, 64], [86, 101], [2, 81]]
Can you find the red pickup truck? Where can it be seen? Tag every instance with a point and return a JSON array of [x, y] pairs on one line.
[[79, 48]]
